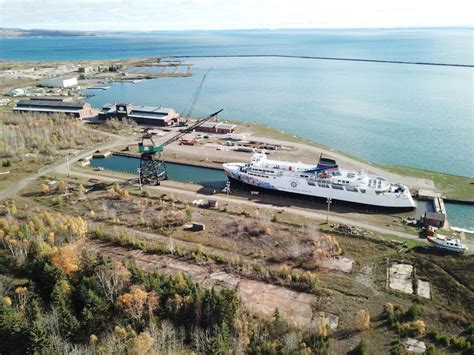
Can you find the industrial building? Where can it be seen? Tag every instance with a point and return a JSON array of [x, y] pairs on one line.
[[59, 82], [434, 219], [87, 70], [74, 109], [53, 98], [142, 115], [217, 127]]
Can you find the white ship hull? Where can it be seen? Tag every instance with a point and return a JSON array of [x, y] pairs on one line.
[[446, 243], [298, 183]]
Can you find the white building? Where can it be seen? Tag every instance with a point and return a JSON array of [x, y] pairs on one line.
[[59, 82]]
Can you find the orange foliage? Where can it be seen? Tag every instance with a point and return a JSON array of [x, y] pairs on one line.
[[137, 301], [66, 258]]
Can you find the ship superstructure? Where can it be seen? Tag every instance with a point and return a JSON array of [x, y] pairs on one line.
[[324, 180]]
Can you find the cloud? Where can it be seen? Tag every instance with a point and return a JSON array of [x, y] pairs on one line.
[[231, 14]]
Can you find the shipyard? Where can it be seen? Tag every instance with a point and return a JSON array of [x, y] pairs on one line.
[[154, 184]]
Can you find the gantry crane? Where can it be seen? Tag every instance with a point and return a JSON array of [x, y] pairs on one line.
[[152, 166]]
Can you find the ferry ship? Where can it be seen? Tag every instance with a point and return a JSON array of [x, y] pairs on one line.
[[325, 180]]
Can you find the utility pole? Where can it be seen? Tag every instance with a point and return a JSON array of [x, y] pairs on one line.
[[227, 188], [68, 170], [139, 178], [329, 201]]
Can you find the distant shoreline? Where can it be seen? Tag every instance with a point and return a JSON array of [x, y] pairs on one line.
[[11, 33]]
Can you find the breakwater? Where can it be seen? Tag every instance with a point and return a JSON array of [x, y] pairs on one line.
[[325, 58]]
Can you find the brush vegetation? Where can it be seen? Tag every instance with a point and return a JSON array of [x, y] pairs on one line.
[[48, 135], [56, 298]]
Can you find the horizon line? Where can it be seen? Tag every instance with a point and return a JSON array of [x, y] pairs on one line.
[[467, 26]]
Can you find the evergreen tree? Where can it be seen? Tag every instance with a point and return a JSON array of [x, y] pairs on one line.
[[13, 331]]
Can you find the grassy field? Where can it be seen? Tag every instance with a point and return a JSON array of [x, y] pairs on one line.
[[452, 186]]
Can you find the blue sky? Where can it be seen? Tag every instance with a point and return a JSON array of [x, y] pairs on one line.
[[152, 15]]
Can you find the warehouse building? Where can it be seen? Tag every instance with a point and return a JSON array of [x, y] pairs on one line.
[[59, 82], [434, 219], [217, 127], [142, 115], [74, 109], [55, 98]]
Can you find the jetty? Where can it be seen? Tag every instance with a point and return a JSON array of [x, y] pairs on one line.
[[367, 60], [99, 88]]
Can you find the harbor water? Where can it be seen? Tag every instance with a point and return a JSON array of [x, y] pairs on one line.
[[409, 115], [179, 172]]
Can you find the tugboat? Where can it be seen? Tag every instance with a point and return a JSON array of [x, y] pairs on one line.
[[447, 243]]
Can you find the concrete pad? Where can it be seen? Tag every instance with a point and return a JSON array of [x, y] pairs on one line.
[[221, 279], [258, 297], [423, 289], [338, 263], [400, 278], [414, 346], [296, 307]]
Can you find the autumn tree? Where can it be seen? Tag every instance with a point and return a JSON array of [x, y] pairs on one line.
[[113, 278], [142, 344], [136, 302], [65, 258], [21, 298], [17, 246]]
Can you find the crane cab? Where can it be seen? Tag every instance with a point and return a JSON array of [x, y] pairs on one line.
[[149, 149]]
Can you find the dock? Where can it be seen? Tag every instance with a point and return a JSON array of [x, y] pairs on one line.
[[99, 88], [427, 195]]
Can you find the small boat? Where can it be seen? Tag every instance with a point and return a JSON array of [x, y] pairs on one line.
[[447, 243]]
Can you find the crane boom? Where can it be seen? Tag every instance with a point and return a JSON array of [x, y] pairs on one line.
[[190, 107], [190, 128]]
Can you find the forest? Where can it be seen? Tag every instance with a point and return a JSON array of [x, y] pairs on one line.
[[58, 298]]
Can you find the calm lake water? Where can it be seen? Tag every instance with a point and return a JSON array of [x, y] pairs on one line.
[[411, 115]]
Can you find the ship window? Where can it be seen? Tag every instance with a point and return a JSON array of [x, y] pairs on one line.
[[336, 187], [363, 191], [311, 183]]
